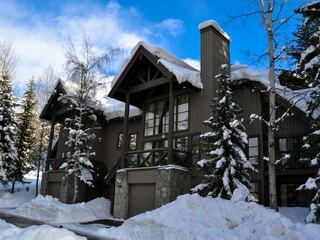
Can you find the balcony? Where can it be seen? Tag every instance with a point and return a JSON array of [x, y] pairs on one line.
[[155, 157]]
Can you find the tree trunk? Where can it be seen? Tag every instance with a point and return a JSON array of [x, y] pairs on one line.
[[39, 159], [12, 187], [76, 189], [272, 112]]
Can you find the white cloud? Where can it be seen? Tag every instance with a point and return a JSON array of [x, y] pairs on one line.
[[39, 40], [172, 25], [195, 63]]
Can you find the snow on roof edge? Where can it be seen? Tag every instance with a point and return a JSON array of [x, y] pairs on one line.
[[182, 70], [216, 26]]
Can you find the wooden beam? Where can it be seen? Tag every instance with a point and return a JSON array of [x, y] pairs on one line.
[[149, 73], [53, 123], [125, 131], [148, 85], [155, 75], [141, 79], [171, 124]]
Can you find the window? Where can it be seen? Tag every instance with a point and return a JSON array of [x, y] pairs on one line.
[[132, 141], [255, 190], [182, 118], [182, 143], [120, 140], [157, 116], [253, 150], [195, 149], [292, 147]]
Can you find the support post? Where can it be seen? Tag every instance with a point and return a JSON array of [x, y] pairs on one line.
[[125, 131], [171, 124], [53, 123]]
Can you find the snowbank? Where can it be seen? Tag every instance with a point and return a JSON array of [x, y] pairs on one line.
[[50, 210], [11, 232], [192, 217], [8, 200], [24, 192], [295, 214]]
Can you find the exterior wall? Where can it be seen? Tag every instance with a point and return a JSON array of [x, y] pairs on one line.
[[168, 183], [110, 137]]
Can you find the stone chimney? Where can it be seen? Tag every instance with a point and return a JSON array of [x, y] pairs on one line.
[[215, 50]]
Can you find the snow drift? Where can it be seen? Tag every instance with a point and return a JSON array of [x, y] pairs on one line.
[[50, 210], [192, 217], [11, 232]]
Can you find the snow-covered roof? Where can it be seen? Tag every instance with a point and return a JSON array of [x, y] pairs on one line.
[[216, 26], [111, 108], [180, 69], [240, 72]]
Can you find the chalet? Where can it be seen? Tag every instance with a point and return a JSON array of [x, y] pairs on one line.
[[151, 118]]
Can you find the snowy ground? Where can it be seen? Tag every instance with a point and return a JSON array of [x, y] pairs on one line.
[[11, 232], [50, 210], [295, 214], [192, 217], [24, 192]]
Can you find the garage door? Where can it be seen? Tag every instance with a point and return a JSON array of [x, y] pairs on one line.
[[141, 198]]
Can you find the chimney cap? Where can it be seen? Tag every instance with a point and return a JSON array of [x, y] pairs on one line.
[[215, 25]]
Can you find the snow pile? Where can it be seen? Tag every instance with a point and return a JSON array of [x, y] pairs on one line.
[[9, 231], [24, 192], [295, 214], [181, 70], [50, 210], [192, 217], [8, 200]]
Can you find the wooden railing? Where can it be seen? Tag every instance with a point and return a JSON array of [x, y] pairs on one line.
[[154, 157]]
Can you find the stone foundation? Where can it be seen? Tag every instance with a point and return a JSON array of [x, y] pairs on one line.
[[170, 181]]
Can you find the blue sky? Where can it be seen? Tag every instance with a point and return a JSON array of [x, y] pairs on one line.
[[39, 29]]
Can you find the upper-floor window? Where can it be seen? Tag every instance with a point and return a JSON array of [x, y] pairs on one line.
[[157, 116], [291, 148], [253, 150], [133, 137], [133, 141]]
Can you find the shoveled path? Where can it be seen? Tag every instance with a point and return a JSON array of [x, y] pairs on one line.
[[23, 222]]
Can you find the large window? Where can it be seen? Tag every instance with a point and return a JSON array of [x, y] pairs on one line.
[[292, 147], [157, 116], [253, 150]]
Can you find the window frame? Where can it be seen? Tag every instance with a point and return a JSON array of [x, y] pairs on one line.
[[258, 147], [176, 114]]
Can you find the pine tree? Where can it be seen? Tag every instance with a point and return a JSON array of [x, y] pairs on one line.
[[8, 152], [27, 120], [225, 167], [309, 70], [304, 50]]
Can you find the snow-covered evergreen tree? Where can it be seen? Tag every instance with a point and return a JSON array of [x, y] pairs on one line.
[[27, 120], [226, 167], [9, 172], [309, 70]]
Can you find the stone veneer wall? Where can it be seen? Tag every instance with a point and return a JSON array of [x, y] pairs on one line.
[[44, 184], [121, 195], [171, 181]]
